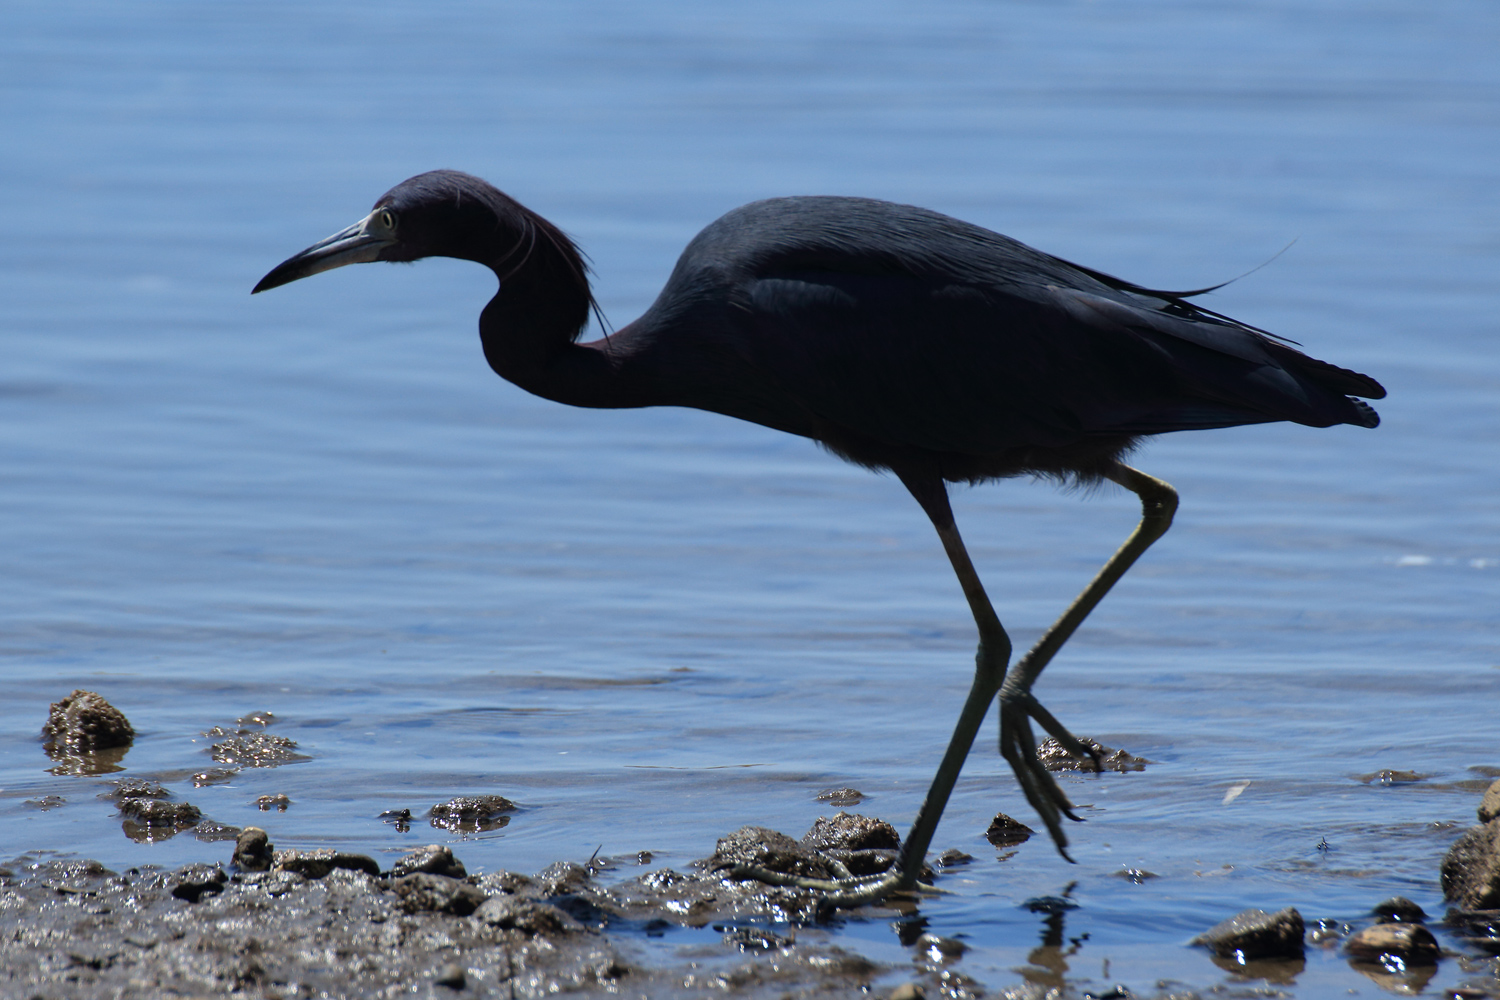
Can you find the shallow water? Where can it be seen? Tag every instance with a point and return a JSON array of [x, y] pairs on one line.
[[649, 628]]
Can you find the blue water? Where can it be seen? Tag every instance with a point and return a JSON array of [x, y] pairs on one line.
[[320, 502]]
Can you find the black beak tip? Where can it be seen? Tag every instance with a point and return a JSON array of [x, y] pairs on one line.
[[277, 277]]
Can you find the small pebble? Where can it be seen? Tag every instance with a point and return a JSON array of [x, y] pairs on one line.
[[907, 991], [452, 976]]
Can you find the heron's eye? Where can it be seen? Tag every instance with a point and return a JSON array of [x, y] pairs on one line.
[[387, 219]]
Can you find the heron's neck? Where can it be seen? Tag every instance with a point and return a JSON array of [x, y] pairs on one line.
[[528, 332]]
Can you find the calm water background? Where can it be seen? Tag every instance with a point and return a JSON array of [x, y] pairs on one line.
[[652, 627]]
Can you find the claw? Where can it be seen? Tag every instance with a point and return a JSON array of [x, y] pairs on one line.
[[1018, 747]]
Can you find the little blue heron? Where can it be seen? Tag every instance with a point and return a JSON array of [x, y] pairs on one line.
[[898, 339]]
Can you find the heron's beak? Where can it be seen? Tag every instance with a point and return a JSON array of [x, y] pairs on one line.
[[361, 243]]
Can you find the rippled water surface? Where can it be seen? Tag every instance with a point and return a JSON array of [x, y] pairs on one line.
[[649, 628]]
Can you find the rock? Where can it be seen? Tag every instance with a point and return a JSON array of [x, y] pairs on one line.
[[562, 878], [136, 788], [1471, 870], [528, 916], [255, 750], [434, 859], [1413, 944], [841, 796], [84, 722], [317, 863], [266, 803], [953, 857], [762, 848], [159, 812], [1489, 806], [253, 850], [1055, 758], [1399, 910], [1137, 875], [452, 976], [427, 893], [1256, 934], [851, 832], [1007, 832], [907, 991], [471, 813], [193, 882], [1391, 777], [941, 949]]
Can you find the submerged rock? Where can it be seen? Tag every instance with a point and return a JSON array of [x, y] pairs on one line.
[[1413, 944], [472, 813], [1256, 934]]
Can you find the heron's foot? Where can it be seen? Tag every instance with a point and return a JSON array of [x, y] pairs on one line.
[[844, 892], [1018, 747]]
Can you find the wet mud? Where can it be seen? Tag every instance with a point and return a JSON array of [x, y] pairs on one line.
[[267, 923]]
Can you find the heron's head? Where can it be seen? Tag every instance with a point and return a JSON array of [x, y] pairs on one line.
[[442, 213]]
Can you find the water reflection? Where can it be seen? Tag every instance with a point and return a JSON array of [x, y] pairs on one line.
[[1048, 966]]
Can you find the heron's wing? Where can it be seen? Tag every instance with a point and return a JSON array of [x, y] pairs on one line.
[[956, 365]]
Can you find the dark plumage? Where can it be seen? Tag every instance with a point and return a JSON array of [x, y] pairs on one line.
[[896, 337]]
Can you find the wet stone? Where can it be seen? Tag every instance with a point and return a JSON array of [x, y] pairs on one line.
[[1489, 806], [1391, 777], [526, 915], [316, 864], [953, 857], [471, 813], [159, 812], [1137, 875], [434, 859], [256, 719], [562, 878], [255, 750], [851, 832], [1055, 758], [940, 949], [753, 939], [1256, 934], [193, 882], [841, 796], [1412, 944], [209, 831], [136, 788], [213, 776], [1399, 910], [756, 846], [45, 803], [253, 851], [266, 803], [84, 722], [452, 976], [1005, 831], [426, 893], [1471, 869]]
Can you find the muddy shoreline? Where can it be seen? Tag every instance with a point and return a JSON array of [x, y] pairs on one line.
[[268, 923]]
